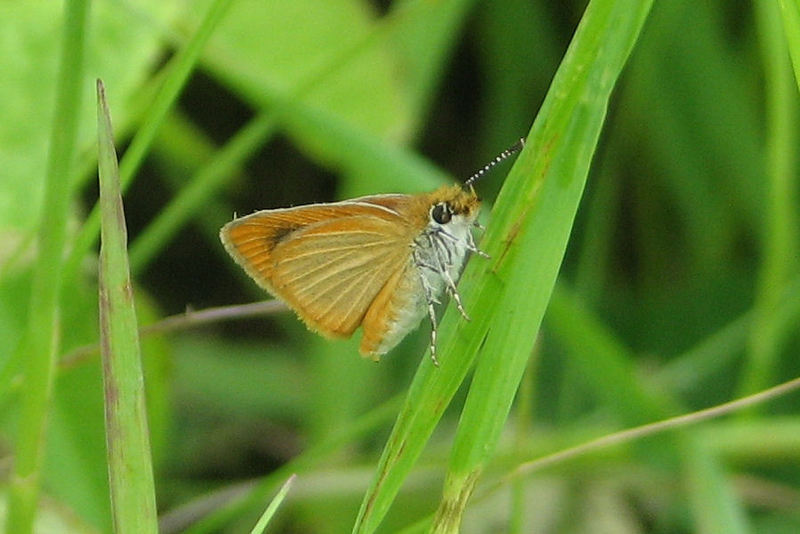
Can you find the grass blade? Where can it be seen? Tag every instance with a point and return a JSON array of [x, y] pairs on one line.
[[130, 469], [574, 113], [199, 190], [779, 250], [526, 241], [40, 342], [179, 69], [265, 518]]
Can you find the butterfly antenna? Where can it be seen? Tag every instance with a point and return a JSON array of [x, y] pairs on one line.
[[510, 151]]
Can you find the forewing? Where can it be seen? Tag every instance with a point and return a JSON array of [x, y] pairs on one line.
[[251, 239], [326, 261]]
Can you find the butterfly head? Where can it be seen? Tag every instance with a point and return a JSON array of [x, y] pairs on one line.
[[452, 205]]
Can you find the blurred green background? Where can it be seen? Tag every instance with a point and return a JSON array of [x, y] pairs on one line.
[[683, 258]]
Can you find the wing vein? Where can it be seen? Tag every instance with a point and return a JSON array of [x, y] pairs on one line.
[[332, 273], [359, 246], [360, 295]]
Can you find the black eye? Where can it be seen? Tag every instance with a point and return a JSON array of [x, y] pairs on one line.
[[441, 213]]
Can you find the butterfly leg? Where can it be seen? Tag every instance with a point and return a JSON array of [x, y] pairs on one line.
[[469, 242], [444, 272], [431, 300], [453, 292], [450, 285], [432, 314], [472, 247]]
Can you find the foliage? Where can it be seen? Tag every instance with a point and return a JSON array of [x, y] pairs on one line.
[[678, 290]]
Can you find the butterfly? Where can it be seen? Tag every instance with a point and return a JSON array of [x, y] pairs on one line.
[[380, 262]]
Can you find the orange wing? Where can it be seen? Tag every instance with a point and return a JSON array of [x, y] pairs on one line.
[[327, 261]]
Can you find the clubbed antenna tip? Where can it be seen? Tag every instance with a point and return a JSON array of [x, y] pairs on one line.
[[510, 151]]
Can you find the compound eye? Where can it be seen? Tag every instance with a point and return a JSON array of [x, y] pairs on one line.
[[441, 213]]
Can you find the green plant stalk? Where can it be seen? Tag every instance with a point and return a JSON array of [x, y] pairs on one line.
[[130, 470], [779, 251], [724, 439], [600, 354], [41, 339], [179, 69], [564, 139], [708, 499]]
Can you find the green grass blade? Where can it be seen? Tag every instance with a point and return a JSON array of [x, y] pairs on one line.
[[202, 187], [265, 518], [130, 470], [575, 110], [40, 343], [180, 68], [526, 239], [779, 250]]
